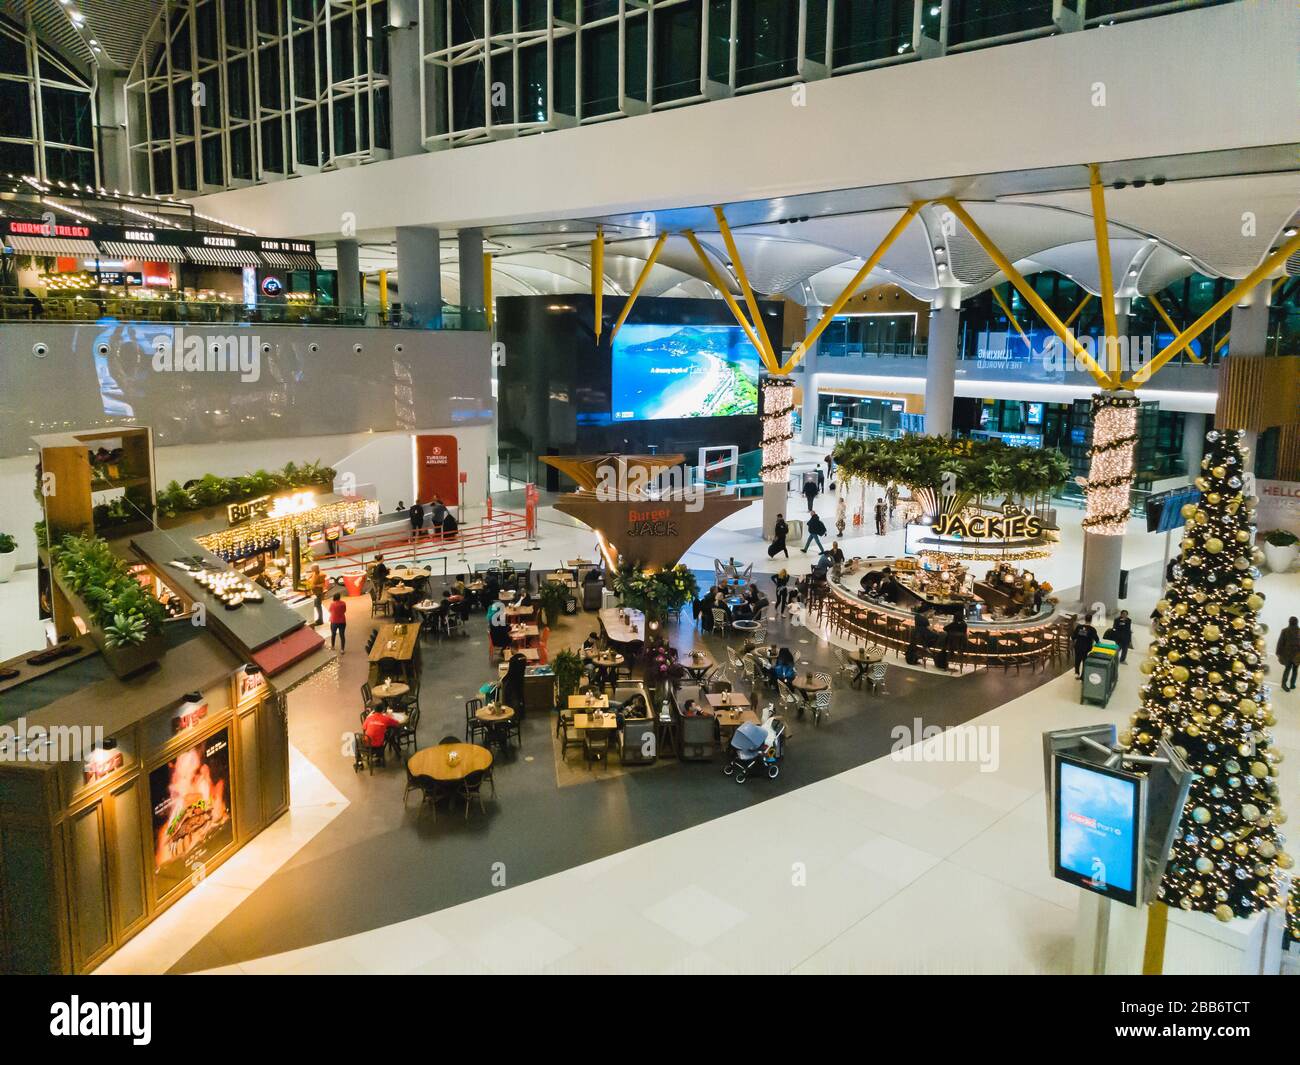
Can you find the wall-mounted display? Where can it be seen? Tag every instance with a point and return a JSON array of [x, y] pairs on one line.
[[683, 371]]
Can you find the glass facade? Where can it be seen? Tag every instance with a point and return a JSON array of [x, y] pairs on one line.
[[230, 92], [47, 112]]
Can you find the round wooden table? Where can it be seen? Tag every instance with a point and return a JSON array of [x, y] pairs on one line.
[[394, 690], [808, 687], [697, 664], [432, 761], [491, 714], [606, 664]]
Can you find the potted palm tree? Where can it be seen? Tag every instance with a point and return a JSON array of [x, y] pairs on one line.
[[8, 556], [553, 596], [568, 674]]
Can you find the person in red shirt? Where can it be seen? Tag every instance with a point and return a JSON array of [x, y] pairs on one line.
[[376, 726], [339, 622]]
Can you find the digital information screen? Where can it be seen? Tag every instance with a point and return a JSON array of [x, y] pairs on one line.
[[1097, 814], [683, 371]]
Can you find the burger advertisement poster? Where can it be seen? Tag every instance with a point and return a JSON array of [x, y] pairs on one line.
[[192, 821]]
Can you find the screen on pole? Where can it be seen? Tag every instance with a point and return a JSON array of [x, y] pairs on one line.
[[683, 371], [1097, 814]]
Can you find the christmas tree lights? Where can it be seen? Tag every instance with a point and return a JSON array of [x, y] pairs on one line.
[[1204, 693], [1110, 472]]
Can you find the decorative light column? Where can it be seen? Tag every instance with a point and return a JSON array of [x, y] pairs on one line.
[[777, 422], [1110, 477]]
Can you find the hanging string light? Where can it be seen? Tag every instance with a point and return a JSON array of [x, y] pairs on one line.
[[1205, 693], [778, 429], [1110, 472]]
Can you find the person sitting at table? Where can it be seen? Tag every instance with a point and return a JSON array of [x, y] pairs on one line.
[[498, 624], [375, 728], [889, 587], [743, 611], [919, 643], [954, 633], [512, 685], [693, 709], [460, 588], [591, 645], [491, 589], [635, 708], [783, 667]]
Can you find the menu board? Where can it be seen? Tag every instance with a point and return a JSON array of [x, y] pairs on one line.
[[192, 821]]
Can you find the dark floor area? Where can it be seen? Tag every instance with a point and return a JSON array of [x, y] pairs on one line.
[[377, 864]]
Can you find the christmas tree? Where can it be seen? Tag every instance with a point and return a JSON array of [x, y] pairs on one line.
[[1204, 694]]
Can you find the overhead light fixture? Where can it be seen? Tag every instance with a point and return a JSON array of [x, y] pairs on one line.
[[1290, 231]]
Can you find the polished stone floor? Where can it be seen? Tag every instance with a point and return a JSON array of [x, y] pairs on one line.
[[377, 863]]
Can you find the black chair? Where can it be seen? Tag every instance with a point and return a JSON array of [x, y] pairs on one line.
[[379, 606], [471, 789], [367, 698], [370, 640], [389, 667], [404, 735], [513, 727], [448, 740], [475, 729], [427, 786], [367, 756]]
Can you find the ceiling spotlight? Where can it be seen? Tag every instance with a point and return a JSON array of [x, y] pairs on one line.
[[938, 249], [1187, 257], [1132, 273], [1152, 240], [1290, 231], [1119, 184]]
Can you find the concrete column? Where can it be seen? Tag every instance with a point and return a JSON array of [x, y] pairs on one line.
[[404, 66], [1249, 336], [1103, 555], [419, 273], [1194, 427], [347, 253], [808, 430], [941, 363], [110, 114], [470, 243]]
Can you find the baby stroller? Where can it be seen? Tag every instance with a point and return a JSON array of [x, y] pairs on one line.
[[756, 748]]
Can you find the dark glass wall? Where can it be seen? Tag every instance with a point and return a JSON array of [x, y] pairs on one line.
[[555, 386]]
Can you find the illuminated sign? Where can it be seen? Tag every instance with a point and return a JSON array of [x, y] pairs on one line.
[[188, 715], [101, 763], [287, 506], [219, 242], [251, 508], [139, 235], [1014, 523], [651, 523], [272, 286], [40, 229]]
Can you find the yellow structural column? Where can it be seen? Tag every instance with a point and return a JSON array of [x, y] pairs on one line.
[[1010, 317], [1025, 289], [598, 278], [717, 281], [766, 351], [1098, 194], [1216, 312], [642, 278], [1164, 316], [383, 292], [1087, 298], [873, 260]]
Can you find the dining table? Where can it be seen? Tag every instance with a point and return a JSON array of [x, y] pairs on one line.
[[697, 664], [606, 665], [588, 702], [727, 700], [450, 762], [863, 658], [399, 641], [389, 689]]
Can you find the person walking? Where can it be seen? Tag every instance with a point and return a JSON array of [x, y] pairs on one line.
[[1288, 653], [882, 515], [810, 492], [779, 532], [830, 470], [1121, 633], [782, 582], [816, 530], [416, 516], [1083, 638], [316, 585], [339, 622]]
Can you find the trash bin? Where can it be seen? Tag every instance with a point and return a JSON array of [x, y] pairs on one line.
[[1100, 673]]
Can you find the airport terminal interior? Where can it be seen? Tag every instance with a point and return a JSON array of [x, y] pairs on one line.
[[649, 487]]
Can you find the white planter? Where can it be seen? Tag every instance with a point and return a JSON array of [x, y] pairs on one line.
[[7, 563], [1279, 559]]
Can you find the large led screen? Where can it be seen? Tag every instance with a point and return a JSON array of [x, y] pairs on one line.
[[191, 811], [1097, 830], [683, 371]]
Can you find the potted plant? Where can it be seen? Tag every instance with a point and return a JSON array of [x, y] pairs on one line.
[[568, 674], [123, 617], [8, 556], [553, 595], [1280, 549]]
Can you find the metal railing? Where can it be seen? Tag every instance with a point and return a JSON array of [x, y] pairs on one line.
[[101, 308]]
